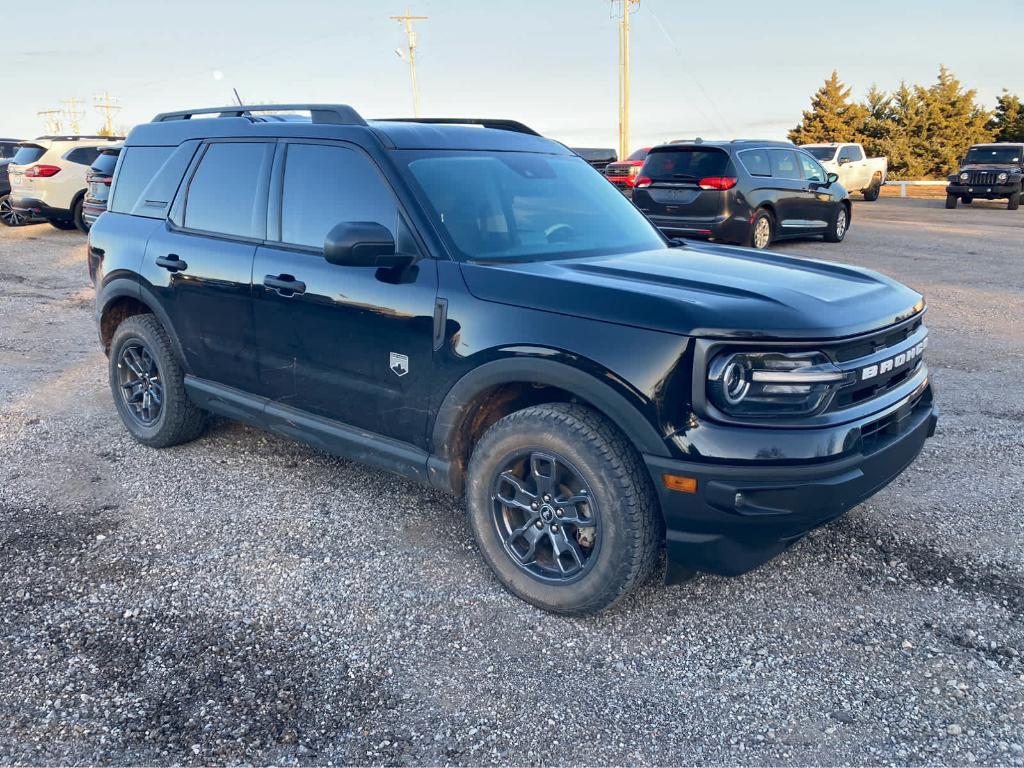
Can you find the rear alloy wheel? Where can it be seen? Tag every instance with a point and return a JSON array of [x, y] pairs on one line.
[[761, 230], [839, 226], [951, 201], [562, 508], [10, 217]]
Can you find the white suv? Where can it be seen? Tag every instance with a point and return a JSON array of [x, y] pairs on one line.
[[47, 177]]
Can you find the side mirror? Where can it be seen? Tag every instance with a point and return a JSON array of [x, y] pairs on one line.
[[832, 178], [844, 160], [363, 244]]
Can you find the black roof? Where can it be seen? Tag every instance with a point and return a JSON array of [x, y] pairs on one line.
[[340, 121], [727, 144]]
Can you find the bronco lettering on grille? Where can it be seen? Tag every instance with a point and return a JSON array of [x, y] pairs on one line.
[[886, 366]]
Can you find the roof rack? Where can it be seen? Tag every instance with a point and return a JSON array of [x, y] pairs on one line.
[[333, 114], [500, 125], [75, 136]]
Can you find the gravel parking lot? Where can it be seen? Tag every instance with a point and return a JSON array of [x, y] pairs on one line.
[[244, 599]]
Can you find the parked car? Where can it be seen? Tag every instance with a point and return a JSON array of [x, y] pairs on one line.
[[97, 180], [857, 172], [8, 216], [624, 172], [747, 192], [991, 172], [598, 158], [48, 177], [477, 310]]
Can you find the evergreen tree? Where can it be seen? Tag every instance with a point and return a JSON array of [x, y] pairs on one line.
[[1008, 121], [832, 117], [952, 122], [905, 146]]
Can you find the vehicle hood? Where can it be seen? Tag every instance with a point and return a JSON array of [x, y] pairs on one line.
[[705, 290]]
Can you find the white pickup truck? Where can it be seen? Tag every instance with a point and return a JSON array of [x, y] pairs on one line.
[[857, 172]]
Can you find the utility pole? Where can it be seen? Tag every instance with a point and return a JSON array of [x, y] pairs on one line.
[[51, 121], [73, 114], [108, 105], [410, 34], [625, 7]]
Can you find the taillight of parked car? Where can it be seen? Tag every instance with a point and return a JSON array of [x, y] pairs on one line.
[[718, 182], [642, 182], [42, 171]]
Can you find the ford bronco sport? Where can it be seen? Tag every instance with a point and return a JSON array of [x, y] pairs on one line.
[[473, 306]]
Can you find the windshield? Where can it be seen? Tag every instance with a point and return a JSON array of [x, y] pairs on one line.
[[526, 206], [1009, 154], [820, 153], [105, 163], [684, 163], [639, 154]]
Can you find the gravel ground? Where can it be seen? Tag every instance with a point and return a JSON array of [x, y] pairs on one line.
[[244, 599]]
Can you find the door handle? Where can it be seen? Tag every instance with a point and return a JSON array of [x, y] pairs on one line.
[[285, 285], [171, 263]]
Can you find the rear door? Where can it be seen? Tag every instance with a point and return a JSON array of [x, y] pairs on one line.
[[351, 344], [853, 167], [200, 263]]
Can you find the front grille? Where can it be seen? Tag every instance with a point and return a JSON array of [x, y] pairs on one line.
[[982, 177]]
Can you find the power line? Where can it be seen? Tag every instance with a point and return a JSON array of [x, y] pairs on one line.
[[410, 35]]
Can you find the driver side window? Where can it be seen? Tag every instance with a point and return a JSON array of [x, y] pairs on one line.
[[812, 171]]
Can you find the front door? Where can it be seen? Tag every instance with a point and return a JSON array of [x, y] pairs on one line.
[[820, 206], [351, 344], [794, 205], [200, 263]]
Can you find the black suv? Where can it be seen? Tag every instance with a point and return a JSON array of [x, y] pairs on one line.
[[8, 216], [747, 192], [991, 172], [478, 309]]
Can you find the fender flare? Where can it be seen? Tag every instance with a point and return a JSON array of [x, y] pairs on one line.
[[123, 287], [535, 370]]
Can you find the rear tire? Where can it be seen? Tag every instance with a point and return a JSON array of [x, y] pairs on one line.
[[78, 216], [142, 362], [762, 230], [10, 217], [951, 201], [1014, 202], [524, 521], [871, 193]]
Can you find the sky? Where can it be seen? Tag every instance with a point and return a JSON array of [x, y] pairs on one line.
[[715, 70]]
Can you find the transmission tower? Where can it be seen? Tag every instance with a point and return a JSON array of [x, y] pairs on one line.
[[52, 124], [107, 105], [410, 35], [73, 113]]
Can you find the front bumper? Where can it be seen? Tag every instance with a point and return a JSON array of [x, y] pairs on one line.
[[983, 191], [743, 515]]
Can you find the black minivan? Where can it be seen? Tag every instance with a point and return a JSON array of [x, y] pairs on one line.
[[746, 192]]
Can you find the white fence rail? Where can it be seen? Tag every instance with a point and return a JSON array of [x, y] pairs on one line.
[[904, 184]]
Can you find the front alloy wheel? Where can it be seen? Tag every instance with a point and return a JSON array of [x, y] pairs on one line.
[[545, 516]]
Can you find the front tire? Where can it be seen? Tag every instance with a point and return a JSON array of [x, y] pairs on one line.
[[951, 201], [762, 230], [148, 385], [562, 509], [839, 225], [1014, 202]]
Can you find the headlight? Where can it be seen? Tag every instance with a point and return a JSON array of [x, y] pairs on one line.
[[634, 170], [773, 383], [1002, 177], [965, 176]]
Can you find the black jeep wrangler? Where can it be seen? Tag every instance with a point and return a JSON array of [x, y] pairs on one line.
[[475, 307], [988, 171]]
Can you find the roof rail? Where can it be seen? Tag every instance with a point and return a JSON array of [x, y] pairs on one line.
[[333, 114], [75, 136], [500, 125]]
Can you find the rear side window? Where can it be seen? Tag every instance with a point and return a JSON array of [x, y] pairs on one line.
[[784, 164], [7, 150], [756, 162], [685, 164], [138, 166], [28, 154], [83, 155], [324, 186], [223, 191], [851, 153], [105, 163]]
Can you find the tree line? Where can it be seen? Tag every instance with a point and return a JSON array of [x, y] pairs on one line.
[[923, 130]]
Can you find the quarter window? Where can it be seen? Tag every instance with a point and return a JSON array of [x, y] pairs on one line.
[[784, 164], [224, 189], [326, 185]]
